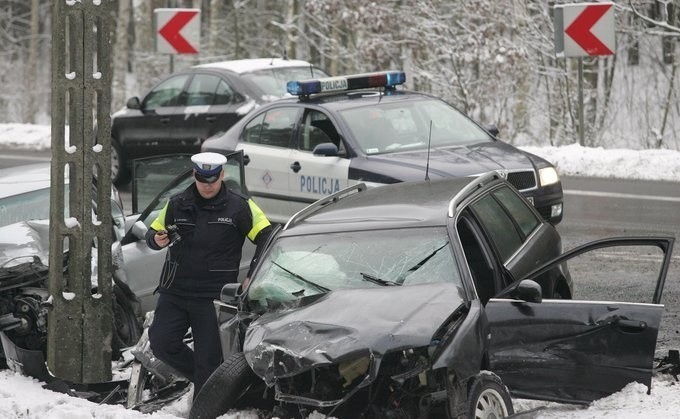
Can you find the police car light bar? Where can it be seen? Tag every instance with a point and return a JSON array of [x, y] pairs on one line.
[[387, 79]]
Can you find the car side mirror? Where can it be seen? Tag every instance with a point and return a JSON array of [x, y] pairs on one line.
[[133, 103], [529, 291], [230, 293], [139, 230], [325, 149], [493, 130]]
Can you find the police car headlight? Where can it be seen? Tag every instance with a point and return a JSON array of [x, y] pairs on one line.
[[548, 176]]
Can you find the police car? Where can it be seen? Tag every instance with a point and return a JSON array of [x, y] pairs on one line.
[[338, 131]]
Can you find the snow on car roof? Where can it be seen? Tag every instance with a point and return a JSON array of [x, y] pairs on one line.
[[254, 64], [26, 178]]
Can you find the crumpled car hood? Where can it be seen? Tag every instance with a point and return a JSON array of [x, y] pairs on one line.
[[22, 240], [346, 323], [445, 162]]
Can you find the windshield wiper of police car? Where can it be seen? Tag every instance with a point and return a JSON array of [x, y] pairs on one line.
[[377, 280], [306, 281]]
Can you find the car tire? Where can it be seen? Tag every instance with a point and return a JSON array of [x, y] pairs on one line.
[[233, 385], [127, 326], [119, 173], [488, 398]]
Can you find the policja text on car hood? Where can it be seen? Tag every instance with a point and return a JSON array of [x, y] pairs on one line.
[[347, 323]]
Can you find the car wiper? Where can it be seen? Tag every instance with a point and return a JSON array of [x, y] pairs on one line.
[[377, 280], [301, 278], [417, 266]]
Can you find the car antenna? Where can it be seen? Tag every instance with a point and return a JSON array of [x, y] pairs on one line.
[[429, 141]]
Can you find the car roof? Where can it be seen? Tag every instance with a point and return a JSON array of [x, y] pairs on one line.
[[404, 204], [254, 64], [25, 178]]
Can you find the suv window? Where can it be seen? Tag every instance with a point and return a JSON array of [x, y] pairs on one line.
[[518, 209], [166, 93], [274, 128], [498, 225]]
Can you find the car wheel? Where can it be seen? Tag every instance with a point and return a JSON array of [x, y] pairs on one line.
[[232, 385], [488, 398], [127, 327], [119, 172]]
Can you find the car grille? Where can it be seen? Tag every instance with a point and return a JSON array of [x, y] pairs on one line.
[[522, 180]]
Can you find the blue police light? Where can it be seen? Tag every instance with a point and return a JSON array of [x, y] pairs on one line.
[[387, 79]]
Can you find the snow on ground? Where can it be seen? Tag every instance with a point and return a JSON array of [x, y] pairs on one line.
[[23, 397]]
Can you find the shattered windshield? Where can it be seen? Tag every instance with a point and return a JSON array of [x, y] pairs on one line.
[[301, 266]]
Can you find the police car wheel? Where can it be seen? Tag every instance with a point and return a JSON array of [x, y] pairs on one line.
[[233, 385]]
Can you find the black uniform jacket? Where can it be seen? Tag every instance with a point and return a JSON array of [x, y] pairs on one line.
[[212, 233]]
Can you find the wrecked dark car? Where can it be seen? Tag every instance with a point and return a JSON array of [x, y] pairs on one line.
[[422, 300]]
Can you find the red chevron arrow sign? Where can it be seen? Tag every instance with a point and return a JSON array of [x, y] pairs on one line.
[[178, 31], [588, 29]]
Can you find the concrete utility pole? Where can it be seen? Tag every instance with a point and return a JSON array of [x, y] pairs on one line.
[[80, 322]]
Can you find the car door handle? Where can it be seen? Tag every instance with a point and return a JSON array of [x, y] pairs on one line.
[[296, 167], [211, 118], [165, 120], [246, 160], [630, 325]]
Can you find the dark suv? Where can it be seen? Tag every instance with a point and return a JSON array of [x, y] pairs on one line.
[[400, 301], [187, 107]]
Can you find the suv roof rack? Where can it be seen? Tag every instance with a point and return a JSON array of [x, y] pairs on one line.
[[317, 205], [470, 188]]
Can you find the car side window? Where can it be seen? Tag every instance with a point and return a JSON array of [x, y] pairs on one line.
[[317, 129], [518, 209], [478, 259], [273, 128], [201, 90], [165, 94], [498, 225], [225, 95]]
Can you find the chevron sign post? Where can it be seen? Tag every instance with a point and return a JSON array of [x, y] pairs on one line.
[[178, 31], [584, 29]]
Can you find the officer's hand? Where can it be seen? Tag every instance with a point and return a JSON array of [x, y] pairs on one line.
[[161, 238]]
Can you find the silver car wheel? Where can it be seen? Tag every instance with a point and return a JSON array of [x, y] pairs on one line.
[[490, 405]]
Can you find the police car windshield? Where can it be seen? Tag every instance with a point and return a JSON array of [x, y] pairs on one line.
[[405, 125], [343, 260], [272, 81]]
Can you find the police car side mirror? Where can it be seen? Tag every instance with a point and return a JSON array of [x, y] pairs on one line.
[[325, 149], [133, 103]]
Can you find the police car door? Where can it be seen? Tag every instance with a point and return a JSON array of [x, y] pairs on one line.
[[313, 176], [265, 142]]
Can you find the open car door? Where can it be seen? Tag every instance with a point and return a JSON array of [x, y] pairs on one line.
[[155, 180], [578, 351]]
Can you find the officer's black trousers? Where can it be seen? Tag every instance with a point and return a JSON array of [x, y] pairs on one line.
[[173, 317]]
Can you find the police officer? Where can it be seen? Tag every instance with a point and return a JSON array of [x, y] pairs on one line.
[[208, 224]]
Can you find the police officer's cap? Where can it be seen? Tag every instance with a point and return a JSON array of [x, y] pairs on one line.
[[208, 166]]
